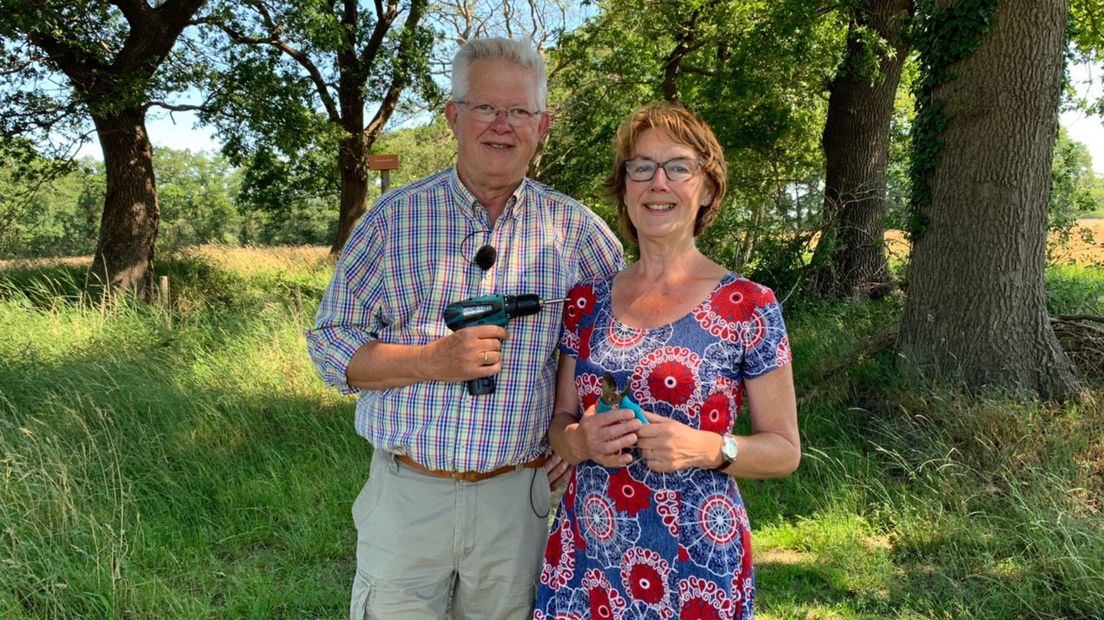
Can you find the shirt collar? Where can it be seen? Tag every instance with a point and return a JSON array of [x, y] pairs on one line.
[[465, 200]]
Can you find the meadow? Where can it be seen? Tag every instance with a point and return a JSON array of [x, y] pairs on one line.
[[184, 461]]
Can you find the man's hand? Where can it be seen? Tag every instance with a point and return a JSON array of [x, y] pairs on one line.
[[470, 353]]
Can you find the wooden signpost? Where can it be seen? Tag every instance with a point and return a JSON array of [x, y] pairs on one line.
[[385, 163]]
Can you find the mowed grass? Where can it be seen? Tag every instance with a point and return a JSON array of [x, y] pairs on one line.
[[187, 463]]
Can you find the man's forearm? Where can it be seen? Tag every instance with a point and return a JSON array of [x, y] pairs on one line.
[[379, 366]]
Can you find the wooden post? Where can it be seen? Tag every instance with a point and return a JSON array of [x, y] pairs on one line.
[[385, 163], [165, 299]]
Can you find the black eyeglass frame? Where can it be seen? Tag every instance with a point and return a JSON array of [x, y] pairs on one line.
[[678, 177]]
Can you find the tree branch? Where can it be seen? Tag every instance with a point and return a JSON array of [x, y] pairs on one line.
[[304, 61], [402, 73]]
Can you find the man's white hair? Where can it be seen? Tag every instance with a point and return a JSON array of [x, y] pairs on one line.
[[520, 53]]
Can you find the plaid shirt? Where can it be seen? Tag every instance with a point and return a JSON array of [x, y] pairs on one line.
[[412, 254]]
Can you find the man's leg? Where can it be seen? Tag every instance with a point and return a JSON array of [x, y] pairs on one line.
[[405, 559], [505, 533]]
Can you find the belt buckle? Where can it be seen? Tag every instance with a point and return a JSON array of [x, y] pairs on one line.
[[466, 476]]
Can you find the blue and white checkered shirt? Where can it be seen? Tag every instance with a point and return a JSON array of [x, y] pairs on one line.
[[412, 254]]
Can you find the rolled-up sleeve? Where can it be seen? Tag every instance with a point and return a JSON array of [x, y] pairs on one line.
[[348, 317]]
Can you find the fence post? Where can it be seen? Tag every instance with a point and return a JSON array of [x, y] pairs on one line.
[[165, 305]]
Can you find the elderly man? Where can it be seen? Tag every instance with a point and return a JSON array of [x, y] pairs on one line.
[[454, 513]]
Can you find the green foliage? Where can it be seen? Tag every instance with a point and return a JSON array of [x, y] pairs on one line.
[[48, 208], [941, 37], [1073, 289], [289, 202], [751, 69], [49, 104], [282, 110], [1086, 26], [422, 150], [1074, 190], [197, 196]]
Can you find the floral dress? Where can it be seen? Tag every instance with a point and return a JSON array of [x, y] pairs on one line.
[[631, 543]]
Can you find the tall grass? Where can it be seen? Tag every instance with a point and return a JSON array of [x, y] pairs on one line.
[[185, 468], [185, 462]]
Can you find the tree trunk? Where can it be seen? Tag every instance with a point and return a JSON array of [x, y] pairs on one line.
[[353, 162], [976, 306], [128, 229], [851, 252]]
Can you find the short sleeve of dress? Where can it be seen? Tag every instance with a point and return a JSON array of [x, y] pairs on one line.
[[766, 343], [578, 318]]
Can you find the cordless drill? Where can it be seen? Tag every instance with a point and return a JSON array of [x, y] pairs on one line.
[[491, 310]]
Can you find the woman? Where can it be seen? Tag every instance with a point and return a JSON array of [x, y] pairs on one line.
[[660, 531]]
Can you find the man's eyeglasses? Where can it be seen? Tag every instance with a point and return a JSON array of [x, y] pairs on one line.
[[678, 169], [487, 113]]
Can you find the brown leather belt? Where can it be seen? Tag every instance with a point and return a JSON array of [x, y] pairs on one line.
[[468, 476]]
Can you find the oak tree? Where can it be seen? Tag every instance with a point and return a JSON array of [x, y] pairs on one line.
[[976, 306], [66, 62]]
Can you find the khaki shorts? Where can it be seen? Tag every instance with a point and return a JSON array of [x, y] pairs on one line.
[[427, 546]]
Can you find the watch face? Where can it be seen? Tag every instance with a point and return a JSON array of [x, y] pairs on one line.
[[729, 448]]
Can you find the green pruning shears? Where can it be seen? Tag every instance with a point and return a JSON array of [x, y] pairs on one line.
[[612, 398]]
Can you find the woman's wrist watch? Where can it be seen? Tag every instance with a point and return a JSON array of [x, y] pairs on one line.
[[729, 450]]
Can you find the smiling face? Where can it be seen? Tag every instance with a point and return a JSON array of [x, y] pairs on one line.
[[494, 155], [661, 209]]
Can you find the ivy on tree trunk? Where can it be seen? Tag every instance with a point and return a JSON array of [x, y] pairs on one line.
[[976, 307]]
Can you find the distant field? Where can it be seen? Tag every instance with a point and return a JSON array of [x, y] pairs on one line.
[[1081, 249]]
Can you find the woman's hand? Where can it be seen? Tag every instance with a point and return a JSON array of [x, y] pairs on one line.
[[667, 445], [601, 437]]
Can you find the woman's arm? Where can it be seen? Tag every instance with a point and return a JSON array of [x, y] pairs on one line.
[[772, 450]]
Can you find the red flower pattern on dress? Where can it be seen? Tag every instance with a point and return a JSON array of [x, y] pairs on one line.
[[669, 375], [716, 413], [682, 553], [589, 387], [703, 600], [732, 313], [628, 495], [737, 301], [559, 557], [584, 340], [785, 356], [605, 602], [754, 331], [579, 305], [667, 508], [644, 575], [622, 336]]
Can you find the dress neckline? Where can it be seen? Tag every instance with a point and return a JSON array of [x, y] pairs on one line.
[[725, 279]]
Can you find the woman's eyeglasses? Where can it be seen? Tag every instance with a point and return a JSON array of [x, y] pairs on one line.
[[677, 169]]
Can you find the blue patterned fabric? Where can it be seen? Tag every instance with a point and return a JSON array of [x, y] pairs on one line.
[[631, 543]]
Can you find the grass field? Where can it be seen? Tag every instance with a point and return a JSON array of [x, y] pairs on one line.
[[187, 463]]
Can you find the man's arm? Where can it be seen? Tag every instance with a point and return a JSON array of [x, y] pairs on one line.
[[470, 353]]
